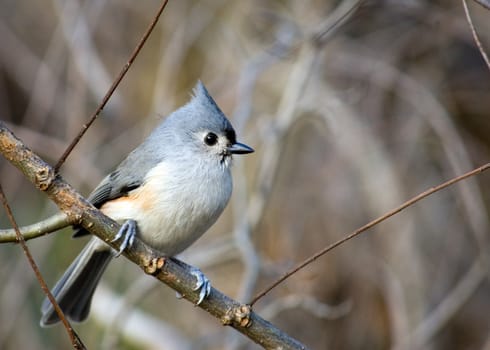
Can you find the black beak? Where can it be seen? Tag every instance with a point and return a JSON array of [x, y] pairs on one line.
[[239, 148]]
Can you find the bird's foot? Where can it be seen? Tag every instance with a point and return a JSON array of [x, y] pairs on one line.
[[203, 285], [127, 232]]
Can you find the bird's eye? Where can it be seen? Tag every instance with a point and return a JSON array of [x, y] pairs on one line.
[[210, 139]]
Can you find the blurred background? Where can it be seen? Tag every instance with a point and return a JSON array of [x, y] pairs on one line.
[[351, 112]]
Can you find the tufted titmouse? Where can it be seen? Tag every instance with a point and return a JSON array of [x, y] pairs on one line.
[[168, 192]]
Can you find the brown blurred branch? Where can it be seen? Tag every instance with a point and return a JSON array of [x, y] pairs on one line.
[[342, 13], [368, 226], [438, 318], [75, 340], [113, 87], [177, 276], [484, 3], [475, 34]]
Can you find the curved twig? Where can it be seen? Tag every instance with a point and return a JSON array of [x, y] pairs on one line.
[[475, 34], [368, 226], [51, 224]]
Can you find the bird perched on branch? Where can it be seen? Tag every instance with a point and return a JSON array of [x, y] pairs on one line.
[[168, 192]]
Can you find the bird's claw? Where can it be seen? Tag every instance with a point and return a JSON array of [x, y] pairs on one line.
[[127, 232], [203, 285]]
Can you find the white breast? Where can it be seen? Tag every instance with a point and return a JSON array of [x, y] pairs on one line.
[[175, 205]]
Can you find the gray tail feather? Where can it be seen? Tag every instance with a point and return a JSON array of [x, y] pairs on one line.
[[75, 289]]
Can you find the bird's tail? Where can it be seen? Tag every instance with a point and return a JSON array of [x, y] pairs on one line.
[[75, 289]]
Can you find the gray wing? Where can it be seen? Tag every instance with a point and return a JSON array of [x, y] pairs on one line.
[[128, 176], [115, 185]]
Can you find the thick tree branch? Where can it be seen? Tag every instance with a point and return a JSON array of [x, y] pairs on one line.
[[79, 211]]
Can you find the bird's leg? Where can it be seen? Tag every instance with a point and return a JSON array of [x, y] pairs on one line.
[[203, 285], [127, 232]]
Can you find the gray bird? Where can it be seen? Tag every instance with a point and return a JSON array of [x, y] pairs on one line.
[[168, 192]]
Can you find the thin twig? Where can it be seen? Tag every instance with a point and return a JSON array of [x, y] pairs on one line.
[[51, 224], [115, 84], [75, 340], [475, 35], [368, 226]]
